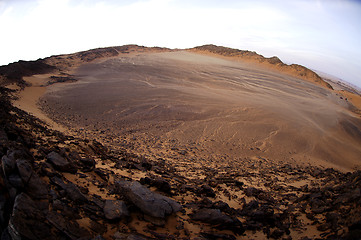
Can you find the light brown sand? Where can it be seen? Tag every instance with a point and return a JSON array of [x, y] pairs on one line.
[[28, 99], [208, 108]]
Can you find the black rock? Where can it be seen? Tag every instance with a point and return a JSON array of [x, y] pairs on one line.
[[36, 187], [148, 202], [160, 183], [212, 216], [16, 181], [8, 163], [217, 218], [251, 191], [28, 219], [207, 190], [217, 236], [25, 169], [88, 164], [115, 209], [74, 193], [60, 163]]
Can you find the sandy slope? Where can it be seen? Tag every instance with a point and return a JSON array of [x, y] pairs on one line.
[[181, 105]]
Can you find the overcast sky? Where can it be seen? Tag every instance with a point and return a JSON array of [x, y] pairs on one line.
[[324, 35]]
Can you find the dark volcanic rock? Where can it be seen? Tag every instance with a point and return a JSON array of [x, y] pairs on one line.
[[212, 216], [207, 190], [148, 202], [217, 236], [217, 218], [114, 209], [28, 219], [160, 183], [88, 164], [60, 163], [74, 193], [36, 188], [25, 170]]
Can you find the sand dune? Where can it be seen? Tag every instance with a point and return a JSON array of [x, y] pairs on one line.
[[229, 109]]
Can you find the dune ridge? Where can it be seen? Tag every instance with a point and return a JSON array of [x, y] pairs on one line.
[[272, 62]]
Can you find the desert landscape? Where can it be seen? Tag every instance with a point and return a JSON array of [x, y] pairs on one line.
[[153, 143]]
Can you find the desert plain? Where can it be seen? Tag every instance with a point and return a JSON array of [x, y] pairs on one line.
[[239, 148]]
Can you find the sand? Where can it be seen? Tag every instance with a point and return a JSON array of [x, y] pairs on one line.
[[28, 100], [203, 107], [209, 120]]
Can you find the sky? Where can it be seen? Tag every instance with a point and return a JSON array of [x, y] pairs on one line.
[[324, 35]]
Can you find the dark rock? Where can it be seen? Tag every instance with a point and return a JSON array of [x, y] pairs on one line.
[[8, 164], [324, 227], [28, 220], [217, 236], [75, 194], [217, 218], [251, 191], [123, 236], [36, 188], [207, 190], [212, 216], [355, 226], [160, 183], [16, 181], [114, 209], [247, 208], [98, 238], [223, 206], [147, 201], [60, 163], [58, 182], [102, 174], [333, 218], [25, 169], [277, 233], [88, 164]]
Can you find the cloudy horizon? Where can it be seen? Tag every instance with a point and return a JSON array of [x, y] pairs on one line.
[[322, 35]]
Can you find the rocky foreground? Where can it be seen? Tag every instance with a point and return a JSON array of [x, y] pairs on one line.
[[57, 186]]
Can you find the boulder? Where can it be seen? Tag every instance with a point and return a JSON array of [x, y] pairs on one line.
[[25, 169], [36, 187], [212, 216], [148, 202], [60, 163], [28, 219], [217, 218], [74, 193], [115, 209]]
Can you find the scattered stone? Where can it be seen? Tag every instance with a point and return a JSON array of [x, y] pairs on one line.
[[115, 209], [207, 190], [60, 163], [160, 183], [147, 201], [212, 216]]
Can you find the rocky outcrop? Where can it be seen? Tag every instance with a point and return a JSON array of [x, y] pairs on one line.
[[14, 72]]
